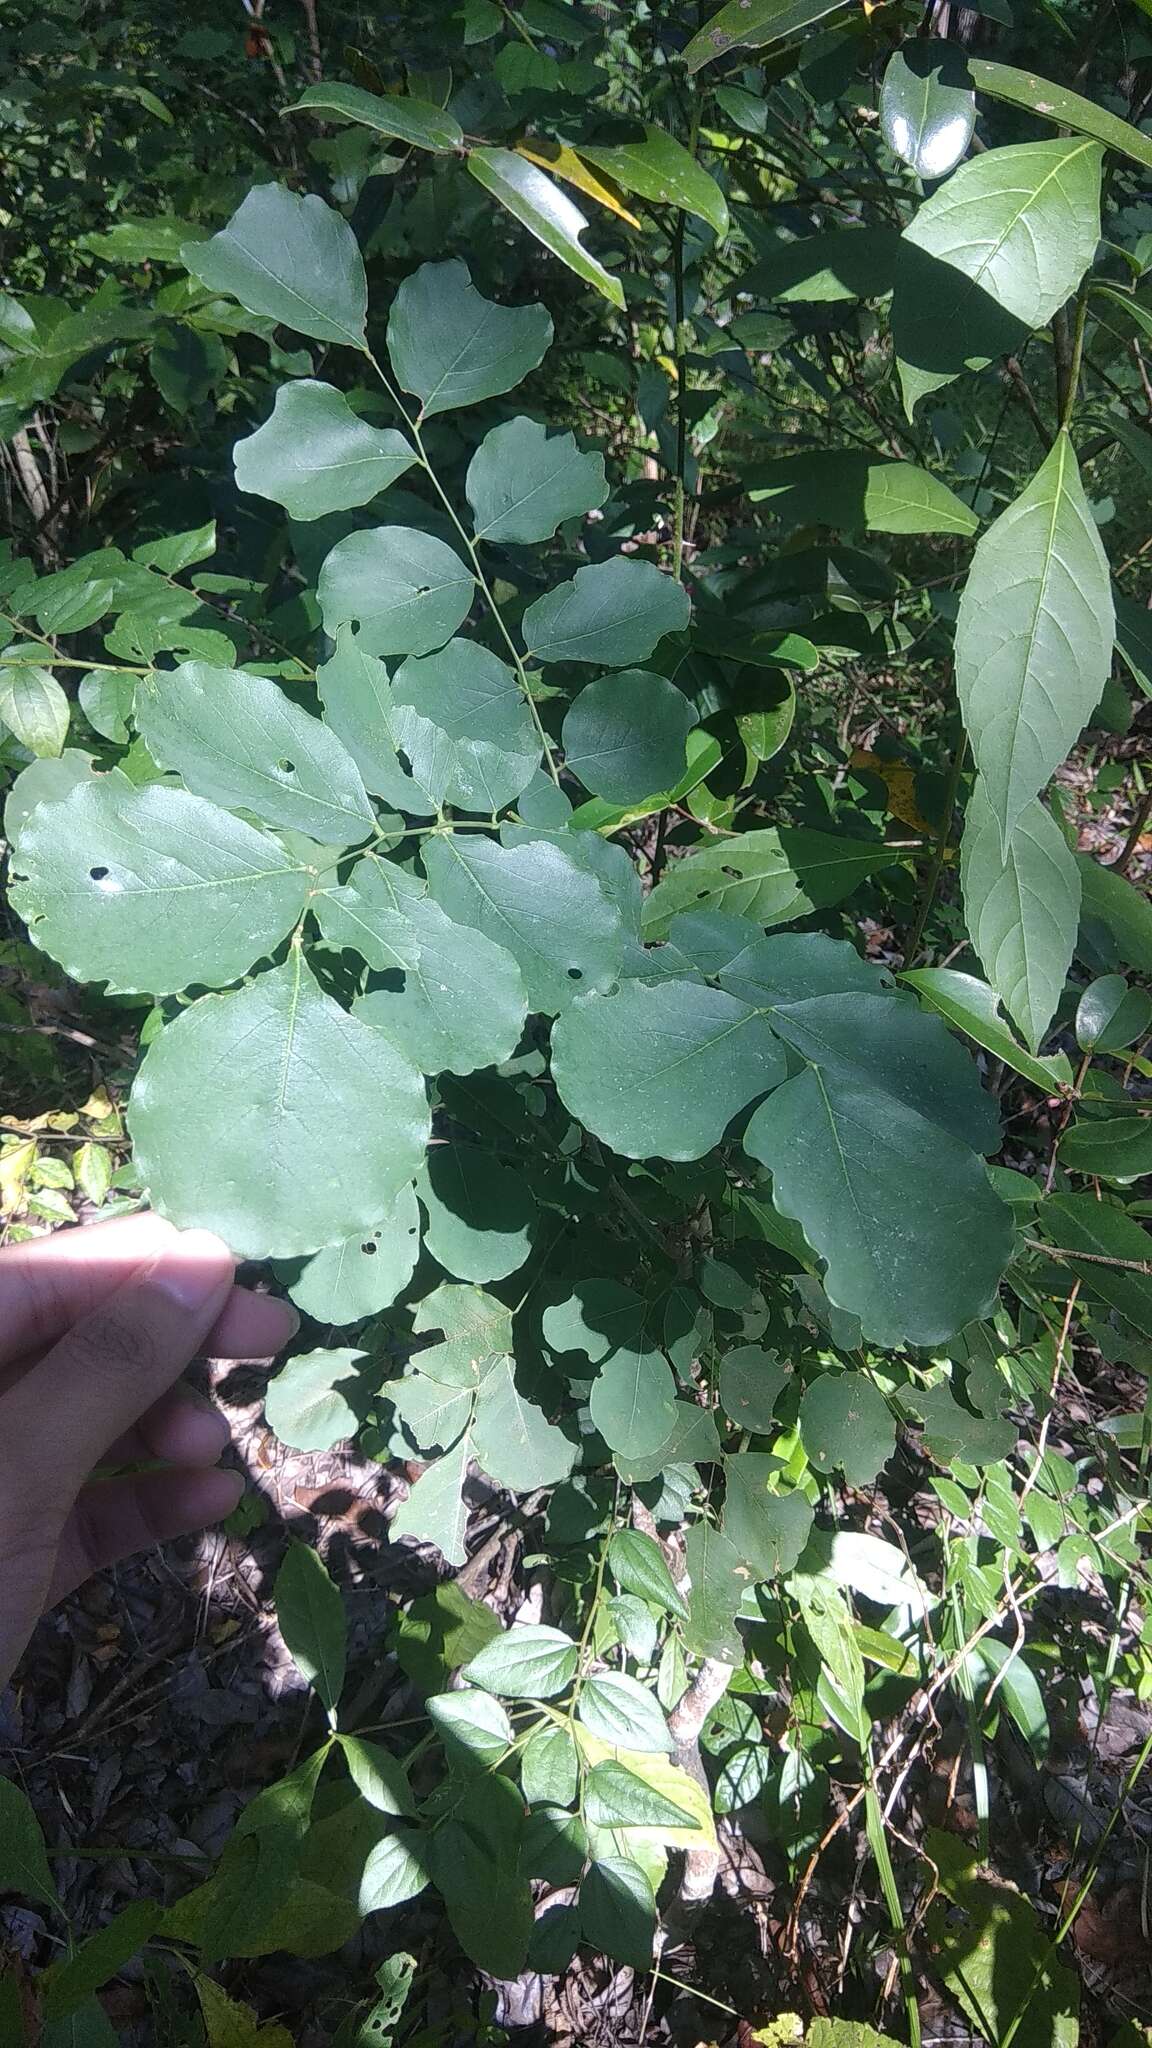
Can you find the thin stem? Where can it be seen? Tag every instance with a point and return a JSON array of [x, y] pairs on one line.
[[474, 559], [681, 412], [1072, 385], [932, 879], [1140, 819]]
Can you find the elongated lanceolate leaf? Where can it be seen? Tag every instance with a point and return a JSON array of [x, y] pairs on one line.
[[1034, 636], [752, 23], [1022, 908], [537, 202], [1021, 224], [661, 169], [405, 119], [1055, 103]]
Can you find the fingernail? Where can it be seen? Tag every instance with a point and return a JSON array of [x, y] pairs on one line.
[[193, 1271]]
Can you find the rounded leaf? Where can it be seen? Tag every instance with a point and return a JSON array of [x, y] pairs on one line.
[[315, 455], [625, 734], [405, 591]]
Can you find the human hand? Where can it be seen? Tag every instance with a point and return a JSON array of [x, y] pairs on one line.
[[96, 1326]]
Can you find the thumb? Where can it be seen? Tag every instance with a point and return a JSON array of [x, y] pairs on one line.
[[115, 1362]]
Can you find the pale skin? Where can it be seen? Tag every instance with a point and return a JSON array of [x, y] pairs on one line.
[[96, 1327]]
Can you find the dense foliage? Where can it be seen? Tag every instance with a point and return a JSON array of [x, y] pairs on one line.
[[473, 485]]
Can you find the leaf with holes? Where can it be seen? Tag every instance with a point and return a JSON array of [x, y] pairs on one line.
[[523, 482], [404, 591], [362, 1274], [554, 917]]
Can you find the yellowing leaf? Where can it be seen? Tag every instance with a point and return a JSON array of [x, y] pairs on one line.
[[564, 163], [900, 787], [15, 1167], [227, 2024], [663, 1776]]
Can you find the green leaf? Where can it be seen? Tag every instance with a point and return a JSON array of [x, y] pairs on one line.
[[927, 106], [152, 889], [514, 1441], [992, 254], [692, 1440], [523, 482], [292, 258], [187, 366], [462, 722], [616, 1797], [539, 204], [304, 1404], [632, 1401], [637, 1563], [405, 591], [473, 1727], [107, 699], [46, 781], [770, 876], [66, 1984], [431, 1416], [661, 169], [238, 740], [310, 1617], [474, 1859], [378, 1776], [1034, 635], [395, 1870], [435, 1510], [357, 699], [1126, 913], [845, 1421], [439, 1632], [990, 1661], [462, 1004], [751, 1383], [971, 1006], [1110, 1015], [718, 1576], [452, 347], [1118, 1148], [1134, 638], [481, 1214], [414, 121], [846, 489], [1022, 908], [625, 735], [23, 1856], [618, 1911], [32, 704], [768, 1530], [553, 916], [315, 455], [313, 1122], [843, 263], [528, 1662], [660, 1071], [1055, 103], [612, 613], [362, 1274], [751, 24], [477, 1330], [1080, 1223], [991, 1953], [549, 1767], [622, 1711]]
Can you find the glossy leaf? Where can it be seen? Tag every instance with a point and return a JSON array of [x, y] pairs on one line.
[[624, 735], [771, 875], [291, 257], [927, 107], [1055, 103], [1022, 908], [406, 592], [32, 704], [637, 1563], [312, 1120], [399, 116], [662, 170], [362, 1274], [532, 198], [971, 1006], [523, 482], [1124, 911], [552, 916], [1117, 1148], [1034, 635], [236, 738], [315, 455], [151, 889], [1111, 1016], [846, 489], [751, 24], [451, 347], [528, 1662], [549, 1767]]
